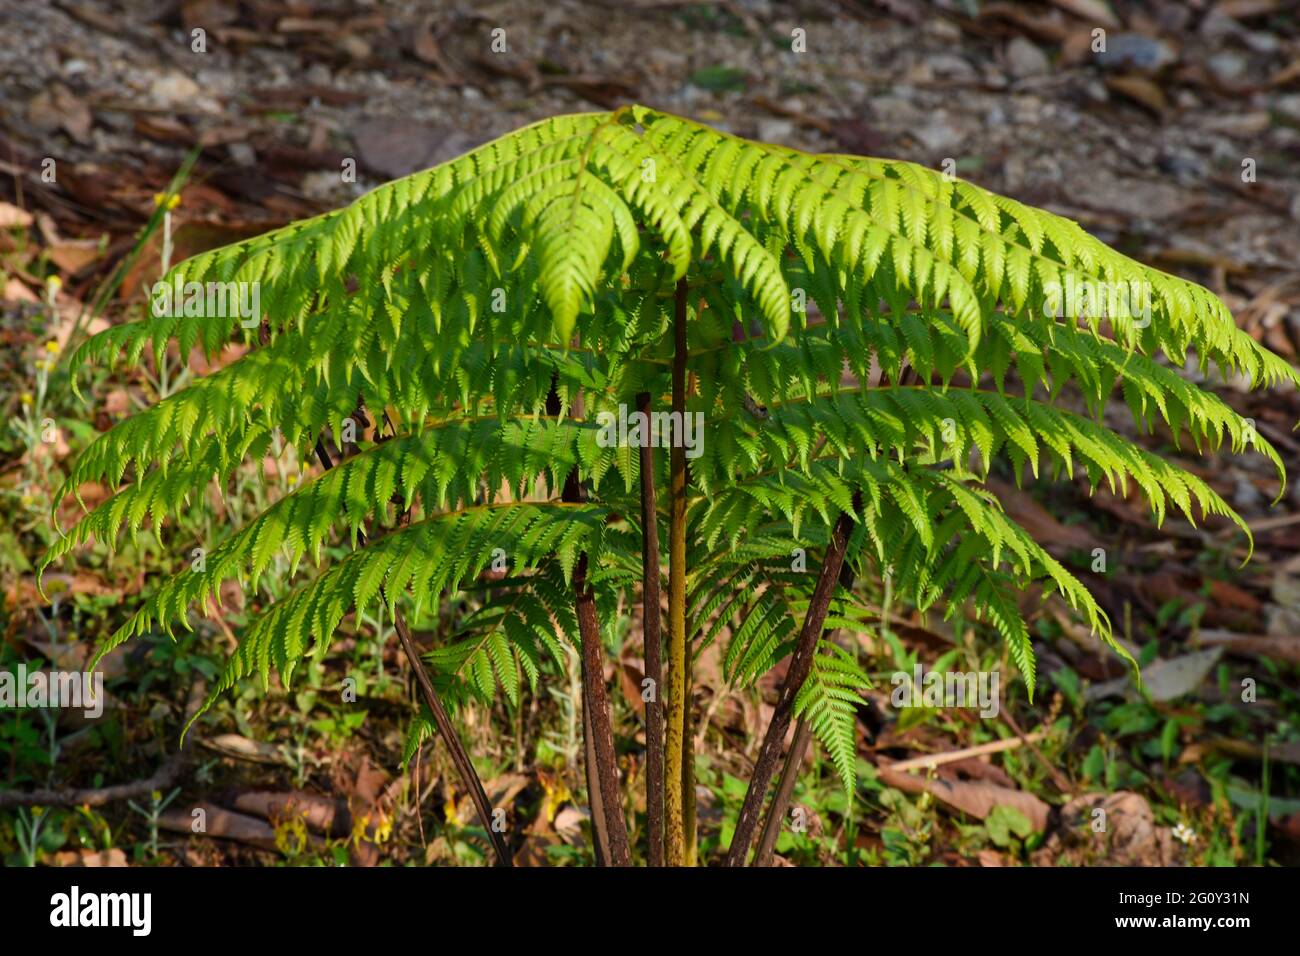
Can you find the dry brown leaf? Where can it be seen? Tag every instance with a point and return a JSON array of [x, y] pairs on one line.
[[219, 822], [1130, 836], [320, 813], [91, 858], [1141, 91], [976, 798], [16, 291], [57, 107], [24, 593], [73, 255], [629, 682], [12, 216], [1096, 12], [241, 748]]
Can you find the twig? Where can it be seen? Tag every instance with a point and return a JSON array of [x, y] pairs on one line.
[[952, 756], [1058, 778], [162, 778]]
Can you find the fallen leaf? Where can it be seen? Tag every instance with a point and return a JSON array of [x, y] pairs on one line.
[[1141, 91], [219, 822], [73, 255], [12, 216], [1245, 9], [1096, 12], [1163, 680], [91, 858], [320, 813], [568, 824], [59, 108], [241, 748], [395, 147], [976, 798], [1129, 834], [15, 291]]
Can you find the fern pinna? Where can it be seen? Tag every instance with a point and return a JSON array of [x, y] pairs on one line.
[[841, 328]]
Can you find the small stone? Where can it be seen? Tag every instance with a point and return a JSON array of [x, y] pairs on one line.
[[1260, 42], [1024, 59], [1246, 497], [1227, 66], [952, 66], [943, 29], [173, 89], [775, 130], [322, 184], [938, 134], [242, 154], [1128, 51], [1217, 25], [354, 46], [318, 74], [1289, 106], [1182, 163]]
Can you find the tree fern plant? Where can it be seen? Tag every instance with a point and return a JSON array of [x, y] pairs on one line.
[[536, 328]]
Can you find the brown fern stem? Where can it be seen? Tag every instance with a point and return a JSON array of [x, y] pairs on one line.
[[801, 662], [599, 823], [608, 824], [784, 789], [676, 752], [595, 703], [651, 624], [688, 768], [459, 757], [790, 770]]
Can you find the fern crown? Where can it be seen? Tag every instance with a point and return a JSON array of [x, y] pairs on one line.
[[455, 301]]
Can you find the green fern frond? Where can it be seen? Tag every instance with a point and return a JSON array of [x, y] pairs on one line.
[[829, 700], [460, 303]]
